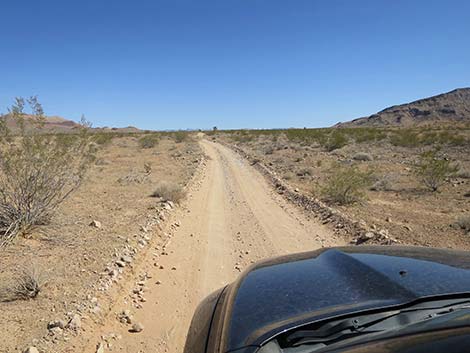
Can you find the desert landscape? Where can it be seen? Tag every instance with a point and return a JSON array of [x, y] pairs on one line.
[[161, 219]]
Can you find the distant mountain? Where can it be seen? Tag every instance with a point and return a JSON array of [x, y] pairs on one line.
[[51, 124], [60, 125], [447, 108]]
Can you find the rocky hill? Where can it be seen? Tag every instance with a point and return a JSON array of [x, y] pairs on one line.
[[57, 124], [447, 108]]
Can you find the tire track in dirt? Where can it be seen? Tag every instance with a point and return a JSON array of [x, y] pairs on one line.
[[232, 219]]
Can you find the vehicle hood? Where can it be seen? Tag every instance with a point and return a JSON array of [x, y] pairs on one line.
[[286, 292]]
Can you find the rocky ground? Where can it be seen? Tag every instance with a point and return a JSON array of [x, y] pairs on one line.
[[92, 241]]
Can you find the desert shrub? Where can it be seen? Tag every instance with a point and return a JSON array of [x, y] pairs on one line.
[[361, 135], [362, 156], [432, 170], [307, 171], [383, 182], [102, 138], [268, 150], [405, 138], [464, 223], [308, 136], [27, 284], [346, 184], [38, 171], [463, 174], [288, 175], [148, 141], [242, 136], [169, 192], [180, 136], [337, 139]]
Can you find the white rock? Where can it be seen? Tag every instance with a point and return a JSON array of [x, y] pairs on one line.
[[31, 350], [75, 323], [96, 224], [100, 348], [137, 327]]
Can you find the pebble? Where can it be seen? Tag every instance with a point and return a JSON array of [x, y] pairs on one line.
[[56, 323], [31, 350], [75, 323], [100, 348], [137, 327], [126, 259], [120, 263], [96, 224]]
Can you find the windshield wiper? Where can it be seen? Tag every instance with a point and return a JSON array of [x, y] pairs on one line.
[[339, 330]]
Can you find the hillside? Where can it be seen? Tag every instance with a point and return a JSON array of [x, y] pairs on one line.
[[447, 108]]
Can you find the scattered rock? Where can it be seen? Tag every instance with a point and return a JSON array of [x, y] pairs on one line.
[[75, 323], [56, 323], [120, 263], [125, 317], [127, 259], [96, 224], [56, 330], [100, 348], [31, 350], [137, 327]]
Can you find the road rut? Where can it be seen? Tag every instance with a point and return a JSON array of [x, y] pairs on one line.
[[231, 219]]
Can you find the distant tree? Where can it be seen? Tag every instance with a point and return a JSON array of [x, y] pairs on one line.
[[214, 128]]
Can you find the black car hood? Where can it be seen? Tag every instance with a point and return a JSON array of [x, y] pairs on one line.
[[286, 292]]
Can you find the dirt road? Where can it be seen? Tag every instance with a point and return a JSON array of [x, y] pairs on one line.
[[231, 219]]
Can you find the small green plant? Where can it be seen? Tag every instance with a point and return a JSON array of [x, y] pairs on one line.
[[432, 170], [346, 184], [38, 171], [148, 141]]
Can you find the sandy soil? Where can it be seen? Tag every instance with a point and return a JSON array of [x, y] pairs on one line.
[[72, 255], [232, 219]]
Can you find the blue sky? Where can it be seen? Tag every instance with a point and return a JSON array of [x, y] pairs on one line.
[[170, 64]]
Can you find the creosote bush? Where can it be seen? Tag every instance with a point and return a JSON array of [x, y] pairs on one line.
[[336, 140], [148, 141], [169, 191], [180, 136], [432, 169], [38, 171], [346, 184]]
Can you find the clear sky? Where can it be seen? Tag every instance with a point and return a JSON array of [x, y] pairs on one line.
[[170, 64]]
